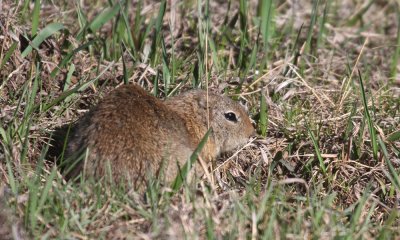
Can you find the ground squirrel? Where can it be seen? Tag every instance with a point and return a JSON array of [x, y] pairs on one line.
[[132, 132]]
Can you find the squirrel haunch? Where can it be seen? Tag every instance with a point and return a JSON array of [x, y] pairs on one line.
[[134, 134]]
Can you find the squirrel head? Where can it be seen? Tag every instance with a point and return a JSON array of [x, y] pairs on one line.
[[228, 119]]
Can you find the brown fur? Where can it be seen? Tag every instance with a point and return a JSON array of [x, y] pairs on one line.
[[133, 133]]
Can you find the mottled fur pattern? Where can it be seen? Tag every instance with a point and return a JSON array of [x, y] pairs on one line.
[[132, 133]]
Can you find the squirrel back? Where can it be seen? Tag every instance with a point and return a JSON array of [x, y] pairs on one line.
[[134, 134]]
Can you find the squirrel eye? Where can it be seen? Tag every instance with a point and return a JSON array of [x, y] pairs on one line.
[[231, 116]]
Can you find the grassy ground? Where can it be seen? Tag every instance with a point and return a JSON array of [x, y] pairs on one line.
[[321, 79]]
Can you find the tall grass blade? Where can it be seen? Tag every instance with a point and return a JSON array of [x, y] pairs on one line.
[[396, 54], [67, 84], [356, 215], [267, 27], [33, 185], [369, 119], [128, 32], [25, 145], [393, 174], [33, 93], [358, 15], [82, 19], [124, 70], [71, 71], [322, 24], [165, 66], [314, 15], [393, 137], [210, 227], [158, 33], [253, 58], [35, 17], [104, 17], [391, 222], [25, 7], [214, 54], [8, 54], [184, 170], [83, 23], [317, 151], [199, 68], [45, 192], [11, 178], [244, 38], [295, 51], [46, 32], [69, 56], [79, 87], [263, 115], [156, 81]]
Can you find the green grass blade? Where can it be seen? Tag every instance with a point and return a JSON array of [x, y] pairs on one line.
[[158, 33], [269, 232], [214, 54], [295, 51], [317, 151], [322, 24], [184, 170], [356, 215], [396, 54], [263, 122], [210, 226], [143, 36], [69, 75], [393, 137], [49, 30], [393, 174], [82, 19], [124, 70], [66, 94], [314, 15], [128, 32], [67, 84], [244, 38], [156, 81], [138, 19], [83, 23], [369, 119], [25, 7], [358, 15], [104, 17], [8, 54], [25, 145], [253, 58], [11, 178], [35, 17], [33, 92], [69, 56], [33, 184], [45, 192], [3, 135], [392, 221], [165, 65], [267, 27]]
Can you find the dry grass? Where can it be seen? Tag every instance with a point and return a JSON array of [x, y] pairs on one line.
[[284, 185]]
